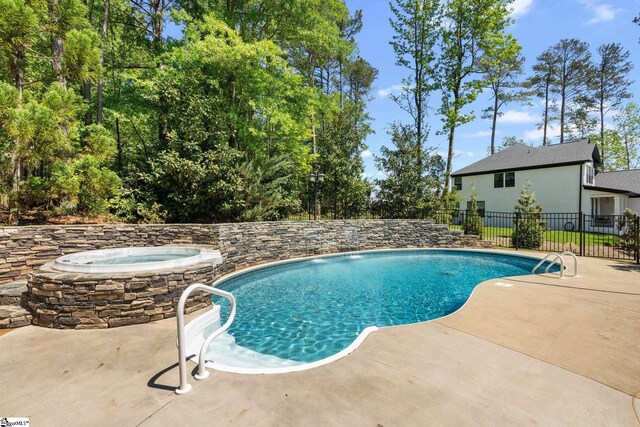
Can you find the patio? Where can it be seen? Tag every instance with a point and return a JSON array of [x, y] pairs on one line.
[[543, 351]]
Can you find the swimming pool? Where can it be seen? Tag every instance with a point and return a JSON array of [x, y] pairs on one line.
[[308, 310]]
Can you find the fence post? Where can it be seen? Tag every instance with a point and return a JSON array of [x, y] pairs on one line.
[[515, 234], [636, 221], [582, 233]]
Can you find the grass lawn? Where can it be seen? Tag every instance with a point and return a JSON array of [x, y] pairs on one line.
[[555, 236]]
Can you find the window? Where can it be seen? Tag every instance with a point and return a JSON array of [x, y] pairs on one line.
[[588, 175], [480, 207], [457, 182], [510, 179], [507, 179]]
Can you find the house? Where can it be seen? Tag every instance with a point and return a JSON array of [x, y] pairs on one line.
[[564, 177]]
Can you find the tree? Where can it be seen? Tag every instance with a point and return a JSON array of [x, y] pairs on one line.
[[473, 222], [501, 67], [573, 72], [470, 28], [509, 141], [416, 28], [611, 85], [529, 227], [628, 128], [544, 74], [413, 176]]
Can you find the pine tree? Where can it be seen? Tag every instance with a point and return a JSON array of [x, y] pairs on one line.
[[473, 222], [529, 228]]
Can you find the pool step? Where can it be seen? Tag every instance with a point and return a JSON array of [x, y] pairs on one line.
[[229, 356], [13, 316], [13, 293]]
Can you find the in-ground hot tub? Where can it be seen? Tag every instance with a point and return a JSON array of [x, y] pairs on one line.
[[122, 260], [116, 287]]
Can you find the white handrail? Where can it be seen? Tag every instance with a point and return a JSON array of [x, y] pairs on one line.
[[575, 262], [182, 358], [556, 257]]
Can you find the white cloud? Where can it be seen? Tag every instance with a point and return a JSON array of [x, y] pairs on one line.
[[519, 8], [602, 12], [366, 153], [537, 134], [366, 175], [478, 134], [383, 93], [513, 116]]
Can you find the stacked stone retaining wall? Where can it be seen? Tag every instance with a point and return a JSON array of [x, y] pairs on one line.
[[70, 300], [247, 244], [89, 301], [24, 248]]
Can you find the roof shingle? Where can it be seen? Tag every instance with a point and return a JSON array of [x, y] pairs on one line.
[[521, 156], [628, 180]]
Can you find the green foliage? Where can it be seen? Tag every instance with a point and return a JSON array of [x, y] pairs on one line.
[[216, 125], [81, 56], [471, 29], [630, 232], [413, 177], [96, 185], [529, 228], [125, 207], [266, 190], [473, 222]]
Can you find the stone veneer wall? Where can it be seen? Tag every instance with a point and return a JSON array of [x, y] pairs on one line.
[[24, 248], [80, 301], [89, 301], [247, 244]]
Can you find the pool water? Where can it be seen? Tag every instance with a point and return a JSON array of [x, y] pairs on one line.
[[140, 259], [309, 310]]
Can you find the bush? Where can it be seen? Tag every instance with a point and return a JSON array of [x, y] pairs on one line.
[[124, 206], [629, 228], [529, 228], [473, 222]]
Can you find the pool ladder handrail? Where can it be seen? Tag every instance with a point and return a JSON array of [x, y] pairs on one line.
[[554, 258], [182, 358]]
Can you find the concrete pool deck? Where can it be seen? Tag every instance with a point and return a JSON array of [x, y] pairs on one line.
[[542, 351]]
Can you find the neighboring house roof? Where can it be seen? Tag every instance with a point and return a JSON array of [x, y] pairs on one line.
[[619, 181], [521, 156]]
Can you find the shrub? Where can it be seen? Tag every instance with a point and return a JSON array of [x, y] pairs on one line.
[[528, 228], [473, 222], [629, 228]]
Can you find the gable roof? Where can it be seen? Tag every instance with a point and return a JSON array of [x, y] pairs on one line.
[[521, 156], [627, 181]]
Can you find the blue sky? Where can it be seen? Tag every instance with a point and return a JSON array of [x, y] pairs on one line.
[[538, 25]]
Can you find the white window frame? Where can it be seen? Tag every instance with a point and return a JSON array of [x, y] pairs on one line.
[[589, 174]]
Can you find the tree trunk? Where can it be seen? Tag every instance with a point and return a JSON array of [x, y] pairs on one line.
[[452, 131], [56, 47], [119, 145], [16, 162], [86, 97], [494, 121], [626, 147], [105, 24], [447, 173], [562, 108], [546, 110], [341, 83]]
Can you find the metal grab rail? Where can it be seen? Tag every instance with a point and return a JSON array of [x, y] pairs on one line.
[[556, 257], [575, 262], [182, 358]]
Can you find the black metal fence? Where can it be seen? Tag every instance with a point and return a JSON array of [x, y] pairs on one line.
[[604, 236]]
